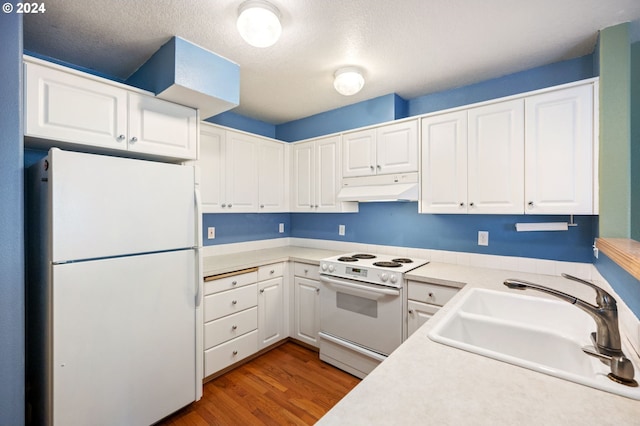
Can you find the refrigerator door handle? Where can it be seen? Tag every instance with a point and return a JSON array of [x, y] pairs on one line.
[[199, 266]]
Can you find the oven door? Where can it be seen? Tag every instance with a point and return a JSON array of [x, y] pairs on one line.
[[368, 315]]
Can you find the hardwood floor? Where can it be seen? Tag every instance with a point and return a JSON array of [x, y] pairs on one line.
[[287, 385]]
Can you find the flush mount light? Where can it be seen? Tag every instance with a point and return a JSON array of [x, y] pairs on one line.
[[348, 81], [259, 23]]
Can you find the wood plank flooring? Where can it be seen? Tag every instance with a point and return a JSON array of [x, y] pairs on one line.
[[287, 385]]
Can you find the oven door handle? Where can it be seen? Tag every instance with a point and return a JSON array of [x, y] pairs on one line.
[[381, 290]]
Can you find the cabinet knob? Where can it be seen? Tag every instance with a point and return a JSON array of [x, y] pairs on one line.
[[318, 290], [306, 271], [229, 205], [379, 167], [262, 291], [134, 139], [235, 353], [262, 206], [121, 138], [471, 204], [316, 206], [461, 204], [224, 205], [372, 168], [410, 311], [272, 271], [234, 302], [234, 282], [430, 294], [530, 204], [234, 327]]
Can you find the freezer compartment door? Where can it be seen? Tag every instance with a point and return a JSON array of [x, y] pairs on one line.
[[124, 339], [105, 206]]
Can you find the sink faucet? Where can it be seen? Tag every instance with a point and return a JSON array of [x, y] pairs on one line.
[[606, 339]]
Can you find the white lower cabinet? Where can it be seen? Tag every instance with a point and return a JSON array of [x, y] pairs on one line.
[[424, 300], [230, 319], [307, 303], [270, 305]]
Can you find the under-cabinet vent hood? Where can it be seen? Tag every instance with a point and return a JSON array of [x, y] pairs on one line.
[[394, 187]]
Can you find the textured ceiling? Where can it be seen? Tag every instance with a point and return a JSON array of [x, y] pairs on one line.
[[408, 47]]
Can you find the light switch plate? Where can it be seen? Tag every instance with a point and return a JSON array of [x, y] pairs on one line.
[[281, 228], [211, 232]]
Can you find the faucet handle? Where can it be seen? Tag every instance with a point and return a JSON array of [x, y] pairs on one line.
[[603, 298], [621, 367]]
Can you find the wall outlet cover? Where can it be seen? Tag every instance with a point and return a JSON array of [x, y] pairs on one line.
[[483, 238], [281, 228], [341, 230], [211, 232]]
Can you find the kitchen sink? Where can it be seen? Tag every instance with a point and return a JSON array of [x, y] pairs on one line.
[[543, 335]]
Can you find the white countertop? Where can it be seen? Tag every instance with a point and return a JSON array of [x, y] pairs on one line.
[[424, 382]]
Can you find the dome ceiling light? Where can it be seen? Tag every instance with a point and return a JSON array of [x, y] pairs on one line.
[[259, 23], [348, 81]]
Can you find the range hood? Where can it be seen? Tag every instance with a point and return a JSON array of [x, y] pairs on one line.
[[393, 187]]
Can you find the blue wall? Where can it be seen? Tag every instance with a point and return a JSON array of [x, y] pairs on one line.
[[240, 227], [241, 122], [399, 224], [621, 281], [12, 326]]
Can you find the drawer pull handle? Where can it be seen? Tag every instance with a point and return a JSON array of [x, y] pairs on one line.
[[234, 302], [234, 327], [235, 353]]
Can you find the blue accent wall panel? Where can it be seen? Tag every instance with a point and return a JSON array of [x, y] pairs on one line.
[[361, 114], [241, 227], [12, 268], [533, 79], [627, 287], [241, 122], [399, 224], [158, 72]]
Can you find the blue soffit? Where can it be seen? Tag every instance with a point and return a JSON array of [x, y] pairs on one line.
[[187, 74]]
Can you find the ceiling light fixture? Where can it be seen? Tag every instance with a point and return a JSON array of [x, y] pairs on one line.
[[348, 81], [259, 23]]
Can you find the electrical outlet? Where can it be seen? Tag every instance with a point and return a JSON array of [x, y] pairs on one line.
[[483, 238], [341, 230], [281, 228], [211, 232]]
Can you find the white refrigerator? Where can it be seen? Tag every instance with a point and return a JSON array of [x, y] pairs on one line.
[[114, 290]]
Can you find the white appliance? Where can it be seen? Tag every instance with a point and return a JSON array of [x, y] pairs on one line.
[[362, 309], [113, 289]]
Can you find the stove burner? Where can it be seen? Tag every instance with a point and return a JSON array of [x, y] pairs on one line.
[[402, 260], [388, 264], [347, 259], [363, 256]]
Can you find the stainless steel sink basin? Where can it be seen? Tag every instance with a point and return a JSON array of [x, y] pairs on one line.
[[532, 332]]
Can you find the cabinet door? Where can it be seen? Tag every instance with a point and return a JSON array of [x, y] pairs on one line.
[[242, 173], [359, 153], [559, 152], [327, 174], [307, 310], [495, 158], [397, 148], [271, 169], [270, 312], [444, 163], [303, 179], [212, 168], [68, 108], [418, 314], [162, 128]]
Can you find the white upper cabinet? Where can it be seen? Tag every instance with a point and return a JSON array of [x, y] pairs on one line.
[[316, 177], [559, 152], [388, 149], [495, 158], [241, 173], [444, 163], [272, 169], [531, 155], [75, 110]]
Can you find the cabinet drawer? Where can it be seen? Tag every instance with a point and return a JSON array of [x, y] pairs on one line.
[[307, 271], [230, 327], [229, 281], [221, 356], [229, 302], [270, 271], [431, 293]]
